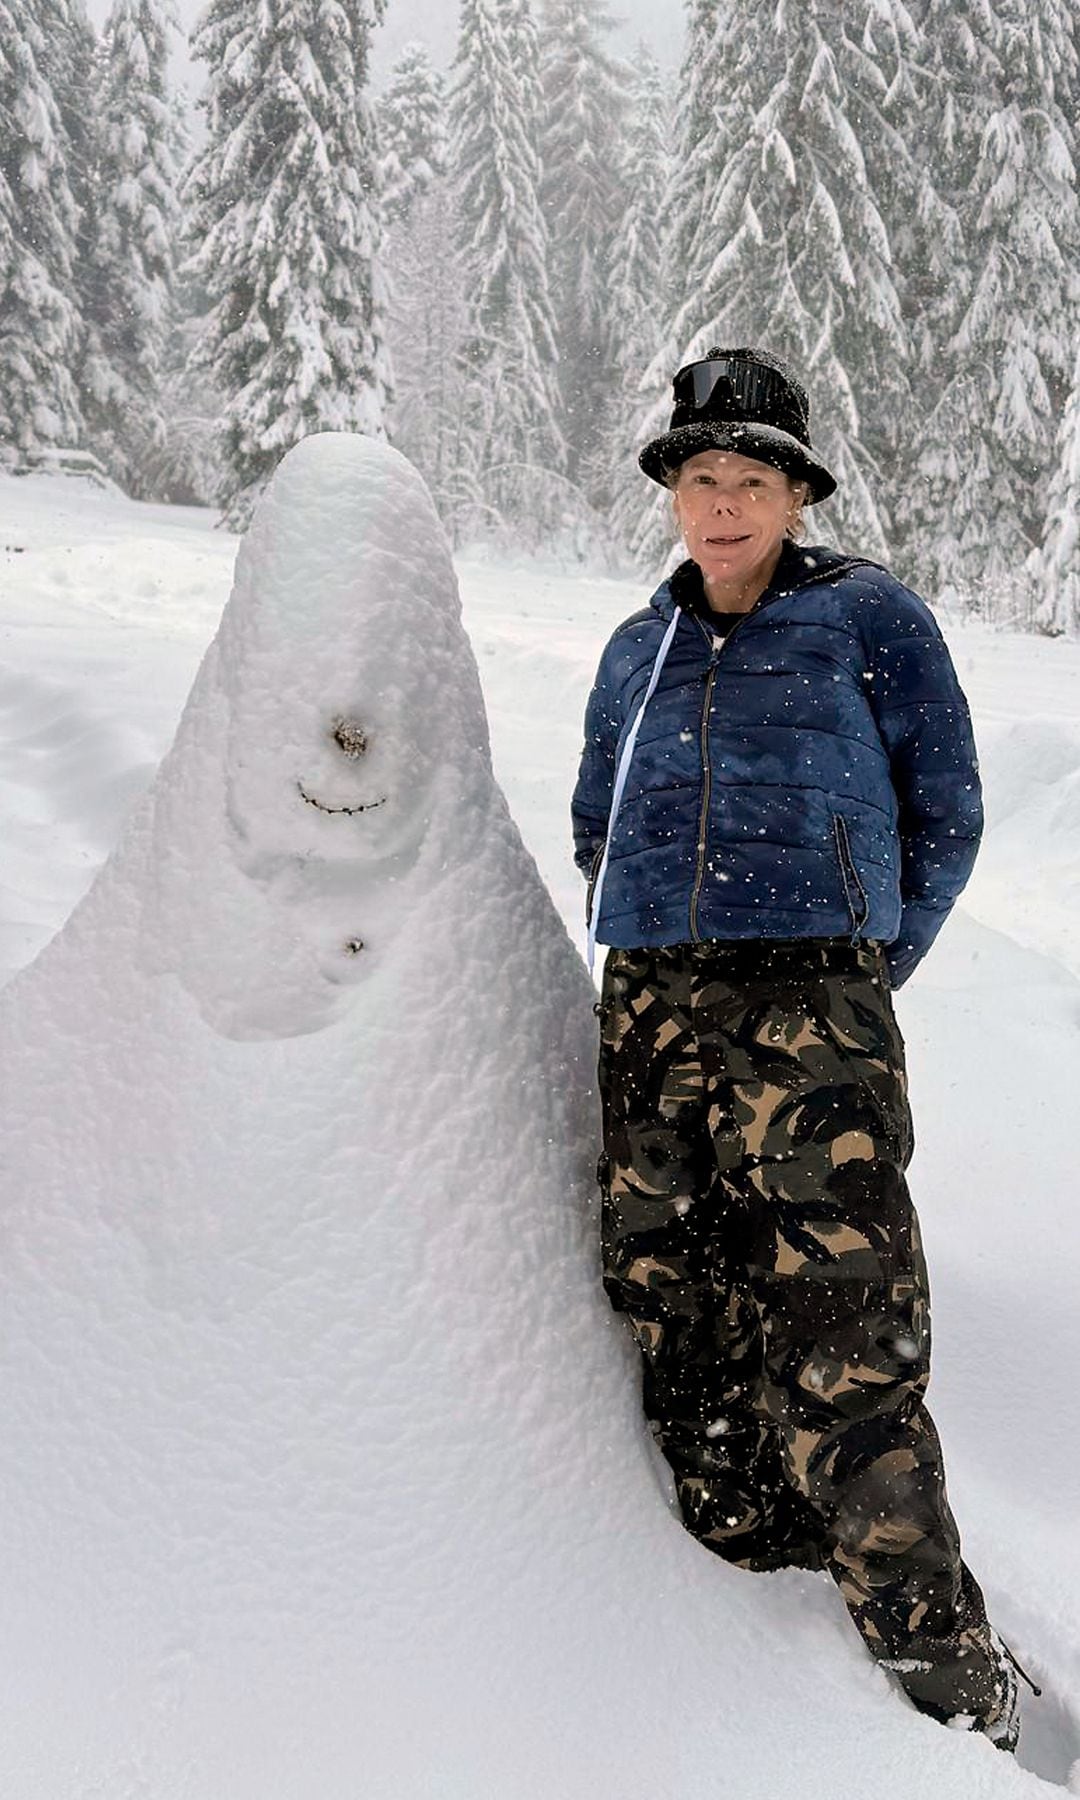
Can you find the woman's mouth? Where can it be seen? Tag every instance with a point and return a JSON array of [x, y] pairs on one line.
[[724, 543]]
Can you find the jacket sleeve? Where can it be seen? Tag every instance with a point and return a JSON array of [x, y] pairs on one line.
[[591, 804], [925, 724]]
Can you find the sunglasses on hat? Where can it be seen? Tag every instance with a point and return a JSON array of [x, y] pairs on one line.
[[733, 387]]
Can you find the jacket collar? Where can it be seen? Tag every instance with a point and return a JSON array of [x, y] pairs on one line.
[[799, 566]]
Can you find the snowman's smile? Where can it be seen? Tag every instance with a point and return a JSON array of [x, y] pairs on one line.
[[348, 811]]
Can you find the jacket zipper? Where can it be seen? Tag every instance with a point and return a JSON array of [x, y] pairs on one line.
[[717, 652], [706, 797]]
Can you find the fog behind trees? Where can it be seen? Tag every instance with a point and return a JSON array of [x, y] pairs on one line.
[[658, 23]]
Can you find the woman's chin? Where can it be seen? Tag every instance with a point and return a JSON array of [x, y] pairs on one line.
[[739, 570]]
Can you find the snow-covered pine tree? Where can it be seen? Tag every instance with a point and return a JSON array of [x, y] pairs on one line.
[[285, 226], [185, 467], [585, 94], [427, 322], [129, 282], [72, 63], [881, 69], [412, 133], [1009, 360], [634, 317], [1054, 568], [800, 258], [39, 323], [701, 148], [510, 477], [957, 77], [425, 309]]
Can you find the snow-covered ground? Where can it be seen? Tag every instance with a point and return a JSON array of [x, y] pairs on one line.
[[423, 1597]]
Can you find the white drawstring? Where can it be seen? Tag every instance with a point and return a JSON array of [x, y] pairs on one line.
[[620, 781]]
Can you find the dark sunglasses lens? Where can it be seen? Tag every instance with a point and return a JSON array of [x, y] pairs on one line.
[[705, 377], [742, 383]]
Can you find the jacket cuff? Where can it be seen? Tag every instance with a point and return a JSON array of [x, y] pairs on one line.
[[919, 926]]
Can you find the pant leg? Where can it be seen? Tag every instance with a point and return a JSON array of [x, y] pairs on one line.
[[674, 1262], [812, 1071]]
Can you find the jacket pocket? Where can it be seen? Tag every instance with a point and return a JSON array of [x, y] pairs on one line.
[[854, 892], [594, 870]]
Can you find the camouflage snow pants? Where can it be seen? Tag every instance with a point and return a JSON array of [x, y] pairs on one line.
[[759, 1235]]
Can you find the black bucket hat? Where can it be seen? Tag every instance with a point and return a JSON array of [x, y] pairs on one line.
[[744, 401]]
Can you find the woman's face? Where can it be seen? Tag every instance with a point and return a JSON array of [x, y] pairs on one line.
[[734, 513]]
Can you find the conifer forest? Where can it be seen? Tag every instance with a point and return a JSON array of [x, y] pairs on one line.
[[499, 264]]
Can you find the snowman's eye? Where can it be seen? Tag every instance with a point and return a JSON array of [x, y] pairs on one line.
[[350, 738]]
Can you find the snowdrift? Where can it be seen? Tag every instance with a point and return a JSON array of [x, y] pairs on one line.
[[323, 1477]]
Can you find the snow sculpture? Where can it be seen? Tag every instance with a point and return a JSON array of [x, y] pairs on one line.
[[322, 1475], [332, 769]]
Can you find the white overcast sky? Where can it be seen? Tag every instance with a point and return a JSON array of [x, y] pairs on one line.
[[659, 23]]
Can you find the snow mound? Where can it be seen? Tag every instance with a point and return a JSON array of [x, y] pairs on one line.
[[323, 1474], [1027, 879], [68, 774], [333, 747]]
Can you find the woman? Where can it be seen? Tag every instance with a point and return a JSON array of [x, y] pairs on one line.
[[778, 805]]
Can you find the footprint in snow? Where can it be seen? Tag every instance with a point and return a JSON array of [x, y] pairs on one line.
[[1050, 1734]]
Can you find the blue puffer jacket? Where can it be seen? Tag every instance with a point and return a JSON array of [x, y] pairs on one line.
[[811, 775]]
